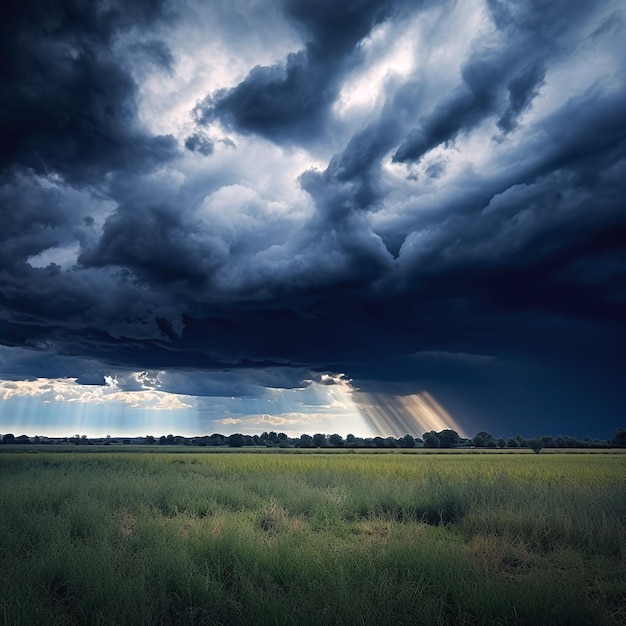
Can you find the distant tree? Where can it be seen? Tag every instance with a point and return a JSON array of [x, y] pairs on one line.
[[8, 438], [170, 440], [618, 440], [150, 440], [522, 442], [22, 439], [162, 440], [431, 440], [306, 441], [379, 442], [216, 439], [336, 440], [408, 441], [548, 441], [560, 442], [448, 438], [502, 442], [391, 442], [350, 439], [483, 439], [512, 443], [536, 445], [572, 442], [319, 439], [236, 441]]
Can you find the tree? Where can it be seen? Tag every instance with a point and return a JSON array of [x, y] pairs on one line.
[[448, 438], [536, 445], [336, 440], [8, 438], [483, 439], [236, 441], [502, 442], [306, 441], [431, 440], [319, 439], [619, 438], [572, 442], [407, 441], [512, 443]]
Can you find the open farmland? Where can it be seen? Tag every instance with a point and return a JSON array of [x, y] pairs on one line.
[[164, 538]]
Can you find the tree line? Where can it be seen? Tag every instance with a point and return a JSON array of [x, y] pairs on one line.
[[446, 438]]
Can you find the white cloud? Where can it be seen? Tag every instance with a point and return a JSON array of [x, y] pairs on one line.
[[68, 390]]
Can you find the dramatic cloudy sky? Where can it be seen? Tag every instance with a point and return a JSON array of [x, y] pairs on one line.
[[364, 216]]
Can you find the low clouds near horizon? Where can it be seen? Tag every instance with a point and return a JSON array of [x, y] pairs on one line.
[[246, 196]]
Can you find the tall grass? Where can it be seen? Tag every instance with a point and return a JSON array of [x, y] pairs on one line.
[[312, 539]]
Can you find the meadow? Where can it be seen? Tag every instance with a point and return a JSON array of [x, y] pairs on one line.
[[252, 538]]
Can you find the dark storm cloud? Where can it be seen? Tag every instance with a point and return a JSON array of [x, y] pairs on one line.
[[68, 104], [397, 272], [157, 52], [152, 241], [199, 143], [499, 78], [289, 100], [522, 90]]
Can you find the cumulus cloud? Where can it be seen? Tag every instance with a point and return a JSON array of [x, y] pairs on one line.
[[67, 390], [289, 101]]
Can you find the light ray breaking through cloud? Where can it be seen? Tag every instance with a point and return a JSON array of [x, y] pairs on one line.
[[397, 415]]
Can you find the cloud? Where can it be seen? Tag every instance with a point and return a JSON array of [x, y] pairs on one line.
[[289, 100], [497, 79], [63, 56], [276, 420], [68, 390], [199, 143], [460, 357], [439, 181]]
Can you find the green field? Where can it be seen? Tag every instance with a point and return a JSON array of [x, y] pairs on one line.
[[166, 538]]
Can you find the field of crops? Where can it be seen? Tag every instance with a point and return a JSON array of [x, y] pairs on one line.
[[165, 538]]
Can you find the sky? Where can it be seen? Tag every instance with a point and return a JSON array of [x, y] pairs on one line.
[[369, 217]]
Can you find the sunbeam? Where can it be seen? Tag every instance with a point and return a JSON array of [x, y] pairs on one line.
[[397, 415]]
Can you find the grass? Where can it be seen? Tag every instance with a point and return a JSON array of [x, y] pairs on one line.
[[165, 538]]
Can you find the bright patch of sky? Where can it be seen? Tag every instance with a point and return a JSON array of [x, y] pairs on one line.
[[62, 407]]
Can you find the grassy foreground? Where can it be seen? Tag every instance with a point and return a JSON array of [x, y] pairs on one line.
[[161, 538]]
